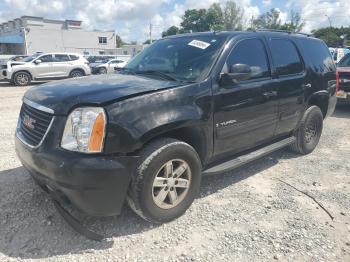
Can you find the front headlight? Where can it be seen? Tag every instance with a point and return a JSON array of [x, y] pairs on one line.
[[85, 130]]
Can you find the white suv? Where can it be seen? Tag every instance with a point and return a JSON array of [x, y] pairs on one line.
[[46, 66]]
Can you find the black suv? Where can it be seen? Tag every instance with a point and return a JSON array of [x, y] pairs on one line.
[[187, 106]]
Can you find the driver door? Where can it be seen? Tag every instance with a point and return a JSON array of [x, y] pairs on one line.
[[44, 69], [245, 111]]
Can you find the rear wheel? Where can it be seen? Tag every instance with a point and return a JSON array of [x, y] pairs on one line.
[[309, 132], [22, 79], [166, 181], [76, 73]]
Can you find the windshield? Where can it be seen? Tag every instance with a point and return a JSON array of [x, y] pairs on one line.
[[30, 58], [345, 61], [188, 58]]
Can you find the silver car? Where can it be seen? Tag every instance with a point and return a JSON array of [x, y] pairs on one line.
[[107, 67], [46, 66]]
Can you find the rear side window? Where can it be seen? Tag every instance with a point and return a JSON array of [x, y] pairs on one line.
[[74, 57], [250, 52], [285, 57], [62, 58], [318, 54]]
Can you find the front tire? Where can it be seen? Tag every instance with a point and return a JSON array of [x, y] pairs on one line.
[[22, 79], [166, 182], [309, 132], [102, 71]]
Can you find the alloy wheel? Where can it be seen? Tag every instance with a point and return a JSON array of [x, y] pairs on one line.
[[171, 184], [22, 79]]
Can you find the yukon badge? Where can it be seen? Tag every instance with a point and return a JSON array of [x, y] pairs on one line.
[[226, 123], [28, 121]]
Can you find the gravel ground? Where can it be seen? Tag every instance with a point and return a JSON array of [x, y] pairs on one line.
[[246, 215]]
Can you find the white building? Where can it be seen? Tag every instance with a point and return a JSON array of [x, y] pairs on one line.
[[28, 34]]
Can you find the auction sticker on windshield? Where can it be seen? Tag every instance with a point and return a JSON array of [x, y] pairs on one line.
[[199, 44]]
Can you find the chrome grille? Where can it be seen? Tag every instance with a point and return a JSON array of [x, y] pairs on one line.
[[33, 124]]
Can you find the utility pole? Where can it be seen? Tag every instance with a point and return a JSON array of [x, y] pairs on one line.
[[329, 20], [150, 33]]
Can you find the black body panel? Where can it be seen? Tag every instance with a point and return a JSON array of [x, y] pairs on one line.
[[218, 120]]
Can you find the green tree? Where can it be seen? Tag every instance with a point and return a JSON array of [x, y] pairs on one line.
[[269, 20], [194, 20], [232, 16], [214, 18], [334, 37], [118, 41], [173, 30], [296, 24]]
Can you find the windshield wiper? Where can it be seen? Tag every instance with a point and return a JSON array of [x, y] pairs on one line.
[[159, 73]]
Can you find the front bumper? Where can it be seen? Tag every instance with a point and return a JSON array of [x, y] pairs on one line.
[[95, 184], [3, 74], [95, 70]]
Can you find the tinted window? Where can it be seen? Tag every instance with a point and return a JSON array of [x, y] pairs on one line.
[[186, 58], [345, 62], [250, 52], [318, 54], [62, 58], [74, 57], [285, 57], [46, 58]]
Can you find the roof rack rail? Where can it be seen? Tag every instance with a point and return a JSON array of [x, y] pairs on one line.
[[283, 31]]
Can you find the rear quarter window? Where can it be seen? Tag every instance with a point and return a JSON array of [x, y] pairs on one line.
[[318, 54], [74, 57]]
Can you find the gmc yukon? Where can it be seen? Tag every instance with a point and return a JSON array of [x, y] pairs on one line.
[[187, 106]]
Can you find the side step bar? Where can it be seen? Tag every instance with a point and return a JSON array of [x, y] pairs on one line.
[[244, 159]]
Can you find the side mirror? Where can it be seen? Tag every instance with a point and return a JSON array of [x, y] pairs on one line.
[[38, 61], [238, 72]]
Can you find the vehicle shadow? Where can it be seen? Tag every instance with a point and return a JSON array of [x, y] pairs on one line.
[[6, 84], [342, 111], [32, 228]]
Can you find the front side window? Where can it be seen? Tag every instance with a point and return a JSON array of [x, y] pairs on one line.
[[46, 59], [187, 58], [250, 53], [285, 57], [102, 40]]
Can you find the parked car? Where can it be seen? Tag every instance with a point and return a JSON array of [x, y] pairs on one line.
[[107, 67], [99, 59], [338, 53], [3, 64], [343, 79], [46, 66], [187, 106]]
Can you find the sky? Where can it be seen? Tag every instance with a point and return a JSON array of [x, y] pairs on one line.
[[131, 18]]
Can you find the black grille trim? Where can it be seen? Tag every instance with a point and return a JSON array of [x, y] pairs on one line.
[[40, 122]]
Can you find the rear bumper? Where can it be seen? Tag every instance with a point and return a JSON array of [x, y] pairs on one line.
[[344, 97], [95, 184]]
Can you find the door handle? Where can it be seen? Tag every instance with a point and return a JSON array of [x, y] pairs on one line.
[[270, 94], [306, 86]]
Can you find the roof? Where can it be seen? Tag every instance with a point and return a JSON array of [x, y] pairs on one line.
[[236, 33]]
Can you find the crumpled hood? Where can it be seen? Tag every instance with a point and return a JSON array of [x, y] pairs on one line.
[[61, 96]]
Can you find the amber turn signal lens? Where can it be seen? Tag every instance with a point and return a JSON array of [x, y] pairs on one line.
[[97, 134]]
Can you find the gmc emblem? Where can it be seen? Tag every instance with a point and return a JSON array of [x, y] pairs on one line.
[[28, 121]]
